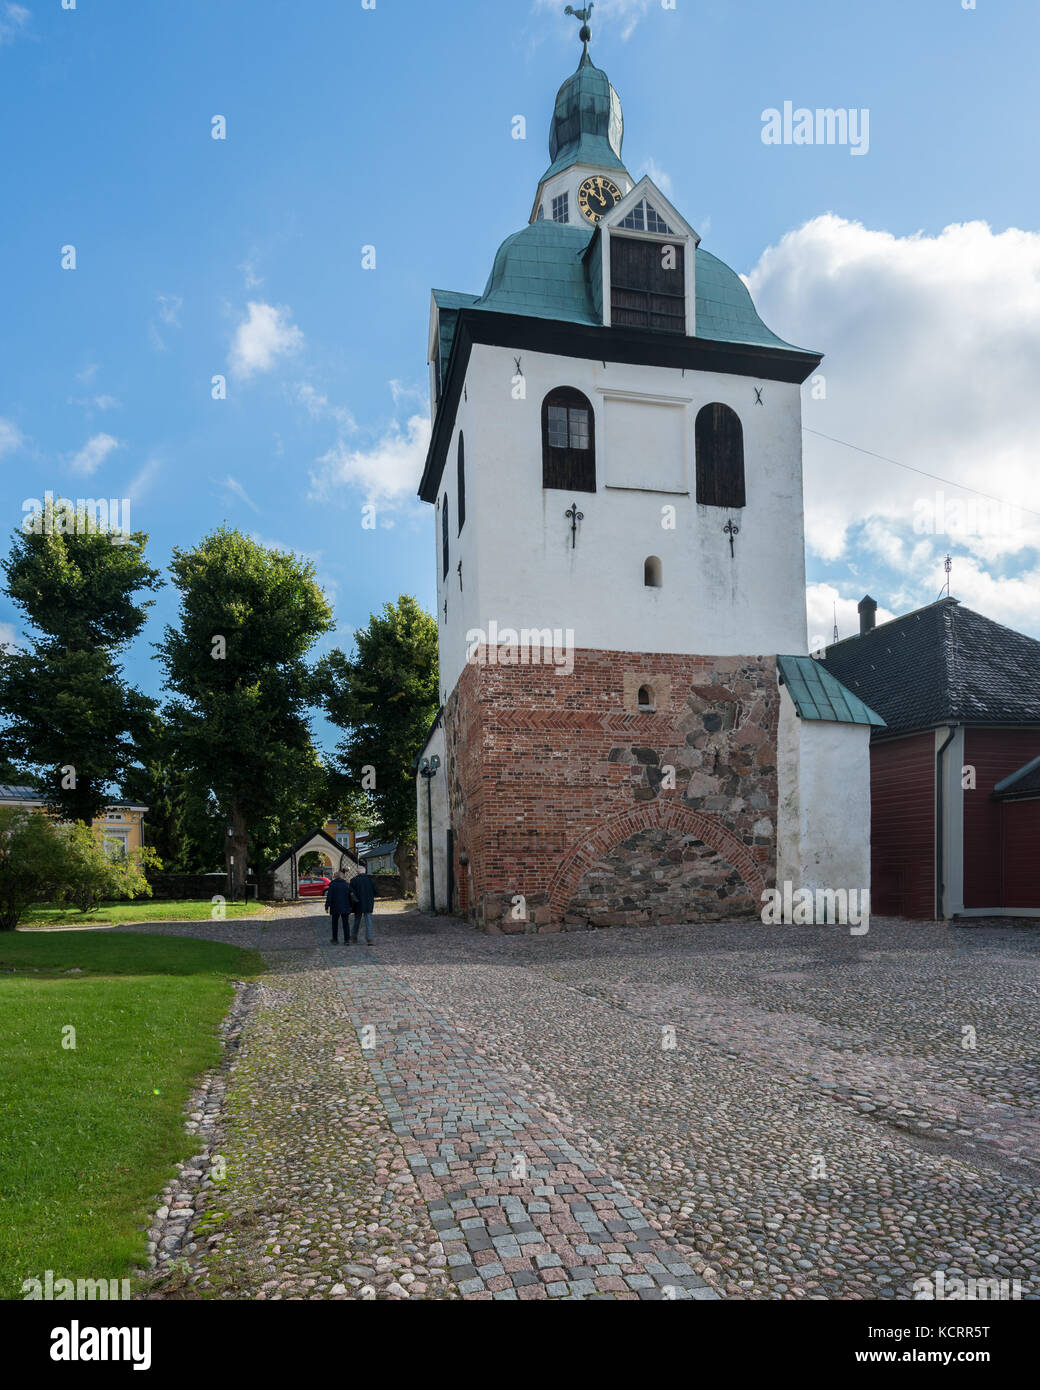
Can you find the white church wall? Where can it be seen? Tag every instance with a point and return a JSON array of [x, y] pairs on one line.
[[438, 803], [823, 827], [458, 605], [524, 570]]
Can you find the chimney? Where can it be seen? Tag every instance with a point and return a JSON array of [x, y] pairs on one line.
[[867, 614]]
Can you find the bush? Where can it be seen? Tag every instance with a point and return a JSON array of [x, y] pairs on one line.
[[32, 858], [92, 875]]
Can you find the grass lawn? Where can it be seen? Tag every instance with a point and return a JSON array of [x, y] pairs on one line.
[[89, 1136], [144, 910]]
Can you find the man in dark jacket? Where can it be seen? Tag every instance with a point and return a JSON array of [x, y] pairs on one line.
[[337, 905], [363, 895]]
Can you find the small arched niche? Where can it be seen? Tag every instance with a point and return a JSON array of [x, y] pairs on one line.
[[645, 699], [652, 572]]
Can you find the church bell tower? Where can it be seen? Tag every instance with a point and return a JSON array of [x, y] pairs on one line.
[[615, 466]]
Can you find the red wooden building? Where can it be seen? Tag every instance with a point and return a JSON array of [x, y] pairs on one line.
[[955, 772]]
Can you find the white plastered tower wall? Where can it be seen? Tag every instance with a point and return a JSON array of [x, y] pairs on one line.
[[520, 567], [434, 799]]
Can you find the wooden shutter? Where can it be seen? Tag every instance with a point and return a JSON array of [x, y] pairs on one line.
[[719, 439], [643, 293]]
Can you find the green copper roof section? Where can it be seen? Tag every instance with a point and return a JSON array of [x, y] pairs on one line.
[[587, 125], [819, 695], [725, 309], [540, 271], [552, 270]]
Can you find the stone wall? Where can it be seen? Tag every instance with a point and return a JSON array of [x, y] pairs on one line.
[[577, 808]]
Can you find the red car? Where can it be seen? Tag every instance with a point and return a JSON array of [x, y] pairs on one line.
[[313, 887]]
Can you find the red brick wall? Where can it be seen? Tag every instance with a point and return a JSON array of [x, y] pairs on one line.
[[561, 795]]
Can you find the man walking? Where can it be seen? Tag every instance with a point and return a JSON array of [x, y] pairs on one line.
[[337, 905], [363, 894]]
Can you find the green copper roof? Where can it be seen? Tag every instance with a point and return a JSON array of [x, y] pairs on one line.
[[551, 270], [725, 309], [819, 695], [587, 125], [539, 270]]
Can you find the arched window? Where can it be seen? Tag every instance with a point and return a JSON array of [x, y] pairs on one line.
[[444, 536], [568, 441], [645, 699], [652, 572], [462, 482], [719, 439]]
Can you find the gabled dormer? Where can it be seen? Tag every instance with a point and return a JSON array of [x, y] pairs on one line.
[[645, 254]]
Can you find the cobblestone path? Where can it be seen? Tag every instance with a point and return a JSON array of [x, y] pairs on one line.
[[523, 1213], [680, 1112]]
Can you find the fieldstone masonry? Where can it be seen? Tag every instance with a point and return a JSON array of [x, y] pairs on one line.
[[574, 810]]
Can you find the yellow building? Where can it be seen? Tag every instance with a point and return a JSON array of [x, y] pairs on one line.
[[121, 826], [342, 834]]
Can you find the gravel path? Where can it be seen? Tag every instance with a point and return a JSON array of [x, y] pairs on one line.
[[678, 1112]]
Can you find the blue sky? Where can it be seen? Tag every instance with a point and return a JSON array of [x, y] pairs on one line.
[[391, 127]]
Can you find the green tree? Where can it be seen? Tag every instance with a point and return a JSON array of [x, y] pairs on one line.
[[32, 856], [70, 716], [385, 699], [162, 784], [91, 874], [235, 663]]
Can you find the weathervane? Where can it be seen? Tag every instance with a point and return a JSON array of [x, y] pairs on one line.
[[948, 566], [584, 33]]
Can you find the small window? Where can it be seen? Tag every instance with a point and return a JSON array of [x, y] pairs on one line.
[[652, 572], [719, 439], [561, 208], [541, 213], [568, 441], [645, 699], [444, 537], [462, 482]]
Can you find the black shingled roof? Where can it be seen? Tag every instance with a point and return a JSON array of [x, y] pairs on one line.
[[943, 664]]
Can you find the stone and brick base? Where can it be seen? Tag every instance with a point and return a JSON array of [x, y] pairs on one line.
[[573, 807]]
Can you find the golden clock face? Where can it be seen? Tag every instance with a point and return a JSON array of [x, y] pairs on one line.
[[597, 196]]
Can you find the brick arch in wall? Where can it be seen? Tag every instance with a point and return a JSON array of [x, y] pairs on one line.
[[659, 814]]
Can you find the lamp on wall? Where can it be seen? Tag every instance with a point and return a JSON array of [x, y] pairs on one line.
[[428, 769]]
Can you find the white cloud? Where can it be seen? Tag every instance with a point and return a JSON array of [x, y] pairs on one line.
[[659, 176], [261, 338], [89, 372], [318, 406], [170, 306], [14, 20], [93, 454], [387, 472], [7, 637], [236, 489], [932, 344], [143, 479], [11, 437], [824, 605], [90, 403]]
